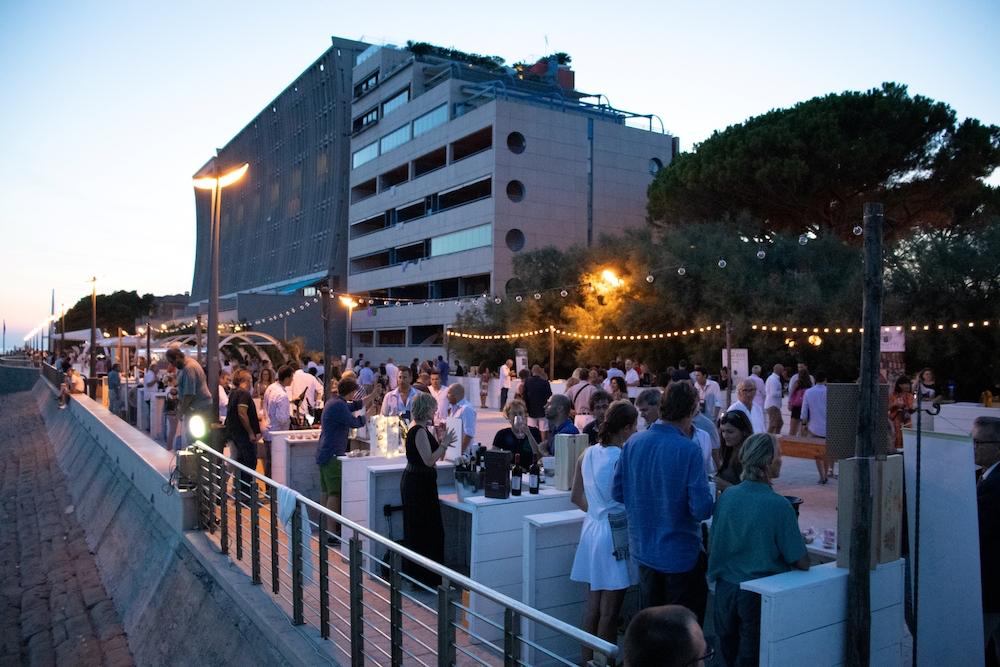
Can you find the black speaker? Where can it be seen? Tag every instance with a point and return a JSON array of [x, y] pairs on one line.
[[497, 483]]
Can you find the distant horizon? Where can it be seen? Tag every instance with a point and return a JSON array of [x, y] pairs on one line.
[[113, 107]]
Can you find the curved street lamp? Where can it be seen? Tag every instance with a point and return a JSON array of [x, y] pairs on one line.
[[215, 184]]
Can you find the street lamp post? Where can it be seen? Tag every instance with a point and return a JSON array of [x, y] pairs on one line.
[[351, 305], [62, 330], [92, 378], [215, 183]]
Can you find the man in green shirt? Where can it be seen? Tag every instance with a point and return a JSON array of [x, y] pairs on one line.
[[754, 534]]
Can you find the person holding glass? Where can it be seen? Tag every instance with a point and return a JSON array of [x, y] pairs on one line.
[[518, 438], [734, 429], [423, 529]]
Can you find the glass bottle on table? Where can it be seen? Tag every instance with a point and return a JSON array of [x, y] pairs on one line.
[[534, 472], [515, 476]]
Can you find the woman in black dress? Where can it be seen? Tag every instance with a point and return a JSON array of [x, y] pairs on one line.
[[423, 530]]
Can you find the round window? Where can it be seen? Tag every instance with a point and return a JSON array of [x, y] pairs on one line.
[[515, 142], [515, 240], [655, 165], [515, 190]]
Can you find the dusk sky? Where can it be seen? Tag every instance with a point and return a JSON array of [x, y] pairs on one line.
[[110, 107]]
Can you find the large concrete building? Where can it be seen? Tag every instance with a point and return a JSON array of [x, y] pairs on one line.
[[283, 228], [415, 175], [458, 165]]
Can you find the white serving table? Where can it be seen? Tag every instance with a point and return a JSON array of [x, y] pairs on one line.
[[293, 461], [803, 616], [157, 407], [956, 418], [493, 527]]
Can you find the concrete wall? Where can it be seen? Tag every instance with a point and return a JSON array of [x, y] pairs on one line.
[[16, 378], [179, 600]]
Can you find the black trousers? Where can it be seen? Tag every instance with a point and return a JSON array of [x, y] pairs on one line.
[[737, 624], [689, 589], [503, 397]]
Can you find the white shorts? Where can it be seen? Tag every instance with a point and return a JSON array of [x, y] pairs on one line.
[[541, 423]]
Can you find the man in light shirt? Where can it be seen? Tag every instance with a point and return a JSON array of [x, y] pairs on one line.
[[306, 386], [772, 399], [398, 401], [746, 403], [986, 453], [460, 408], [277, 412], [439, 392], [392, 372], [814, 419], [708, 392], [613, 371], [758, 382], [366, 377], [631, 374], [506, 373]]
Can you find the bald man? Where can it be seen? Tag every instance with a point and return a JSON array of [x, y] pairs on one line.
[[460, 408]]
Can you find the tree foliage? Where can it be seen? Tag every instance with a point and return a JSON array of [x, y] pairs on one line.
[[119, 309], [812, 166]]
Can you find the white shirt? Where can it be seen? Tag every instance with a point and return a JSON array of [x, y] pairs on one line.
[[393, 372], [441, 396], [704, 440], [277, 409], [756, 415], [505, 377], [794, 382], [306, 383], [612, 373], [632, 378], [223, 403], [463, 410], [758, 398], [772, 391], [814, 410], [149, 383], [366, 376], [710, 388]]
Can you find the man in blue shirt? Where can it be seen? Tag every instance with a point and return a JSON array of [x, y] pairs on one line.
[[557, 415], [443, 368], [337, 420], [661, 480]]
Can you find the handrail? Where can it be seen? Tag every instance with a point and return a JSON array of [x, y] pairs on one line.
[[575, 633]]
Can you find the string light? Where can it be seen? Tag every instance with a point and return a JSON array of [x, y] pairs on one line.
[[953, 326], [709, 328]]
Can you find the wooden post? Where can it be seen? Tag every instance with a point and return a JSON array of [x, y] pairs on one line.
[[552, 354], [869, 410], [729, 364]]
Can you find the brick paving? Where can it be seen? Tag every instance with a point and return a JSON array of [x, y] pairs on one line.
[[53, 606]]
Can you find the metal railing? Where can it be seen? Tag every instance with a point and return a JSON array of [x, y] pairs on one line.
[[52, 374], [323, 570], [19, 362]]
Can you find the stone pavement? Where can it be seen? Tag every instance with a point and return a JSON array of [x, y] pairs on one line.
[[53, 606]]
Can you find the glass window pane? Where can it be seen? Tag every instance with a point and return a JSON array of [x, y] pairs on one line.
[[366, 154], [395, 102], [466, 239], [430, 120], [395, 139]]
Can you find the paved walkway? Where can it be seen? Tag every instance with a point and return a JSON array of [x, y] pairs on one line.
[[53, 607]]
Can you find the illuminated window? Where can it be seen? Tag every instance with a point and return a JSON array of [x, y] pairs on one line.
[[394, 139]]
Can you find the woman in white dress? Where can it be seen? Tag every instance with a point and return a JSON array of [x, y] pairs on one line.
[[602, 559]]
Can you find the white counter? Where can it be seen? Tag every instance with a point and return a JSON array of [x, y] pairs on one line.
[[957, 418]]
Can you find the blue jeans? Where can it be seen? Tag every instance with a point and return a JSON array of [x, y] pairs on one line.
[[737, 624]]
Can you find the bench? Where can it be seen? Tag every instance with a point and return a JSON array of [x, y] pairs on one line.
[[802, 447]]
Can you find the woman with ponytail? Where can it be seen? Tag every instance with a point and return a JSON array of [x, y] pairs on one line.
[[602, 560]]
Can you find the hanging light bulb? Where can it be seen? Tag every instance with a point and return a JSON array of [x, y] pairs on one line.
[[803, 239], [427, 304], [563, 293], [681, 271], [858, 230], [397, 304], [722, 263], [518, 298], [650, 278], [761, 254], [497, 300], [538, 295]]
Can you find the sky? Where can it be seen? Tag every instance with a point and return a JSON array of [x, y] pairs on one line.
[[110, 107]]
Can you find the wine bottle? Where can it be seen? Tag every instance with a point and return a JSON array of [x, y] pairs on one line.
[[515, 476], [533, 475]]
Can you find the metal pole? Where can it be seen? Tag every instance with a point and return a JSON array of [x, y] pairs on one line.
[[552, 354], [350, 331], [859, 576], [212, 351], [729, 364], [149, 356], [197, 336], [62, 333], [92, 380], [324, 293]]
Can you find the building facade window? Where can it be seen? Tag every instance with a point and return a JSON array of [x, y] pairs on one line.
[[366, 85], [366, 154], [430, 120], [466, 239], [394, 139], [396, 101], [365, 120]]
